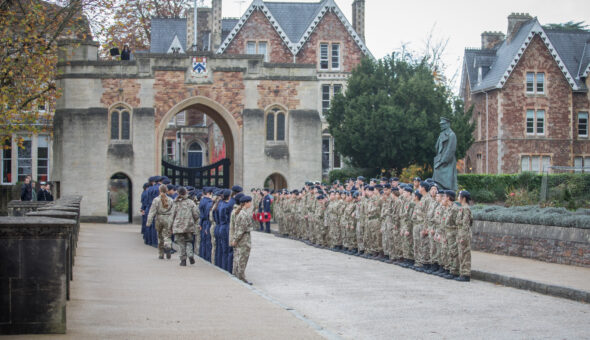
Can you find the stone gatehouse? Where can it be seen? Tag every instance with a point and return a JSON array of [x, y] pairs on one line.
[[266, 101]]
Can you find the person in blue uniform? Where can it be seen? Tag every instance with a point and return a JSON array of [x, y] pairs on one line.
[[143, 209], [148, 203], [224, 216], [235, 191], [205, 224], [265, 205], [218, 203]]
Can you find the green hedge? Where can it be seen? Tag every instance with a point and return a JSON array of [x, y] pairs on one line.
[[493, 188], [559, 217], [344, 174]]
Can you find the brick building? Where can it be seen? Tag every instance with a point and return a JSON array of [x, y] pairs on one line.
[[529, 90], [263, 80]]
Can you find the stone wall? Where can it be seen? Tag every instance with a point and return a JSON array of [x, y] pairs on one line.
[[569, 246]]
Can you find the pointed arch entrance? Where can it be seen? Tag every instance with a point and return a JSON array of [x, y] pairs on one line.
[[225, 121]]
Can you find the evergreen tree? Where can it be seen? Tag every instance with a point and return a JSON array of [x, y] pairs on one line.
[[389, 116]]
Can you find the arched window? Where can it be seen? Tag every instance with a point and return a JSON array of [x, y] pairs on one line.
[[195, 155], [120, 123], [270, 127], [276, 125]]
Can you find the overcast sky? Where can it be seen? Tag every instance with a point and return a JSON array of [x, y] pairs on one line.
[[391, 23]]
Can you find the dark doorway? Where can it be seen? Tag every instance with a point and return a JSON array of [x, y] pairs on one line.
[[120, 199], [275, 181], [195, 155]]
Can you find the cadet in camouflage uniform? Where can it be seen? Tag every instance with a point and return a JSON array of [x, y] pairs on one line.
[[396, 253], [464, 221], [161, 209], [321, 225], [373, 224], [347, 221], [387, 221], [420, 230], [242, 239], [406, 227], [451, 251], [331, 220], [185, 215], [216, 200]]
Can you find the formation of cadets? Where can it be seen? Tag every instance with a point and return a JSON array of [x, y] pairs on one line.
[[213, 223], [413, 225]]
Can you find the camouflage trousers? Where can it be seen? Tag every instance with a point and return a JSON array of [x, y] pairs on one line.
[[185, 243], [375, 243], [213, 247], [396, 250], [452, 251], [386, 237], [281, 224], [406, 234], [421, 245], [241, 256], [197, 241], [322, 235], [335, 234], [164, 234], [349, 237], [464, 247], [360, 230], [435, 246]]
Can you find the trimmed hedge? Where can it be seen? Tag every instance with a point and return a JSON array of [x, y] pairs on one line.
[[493, 188], [532, 214]]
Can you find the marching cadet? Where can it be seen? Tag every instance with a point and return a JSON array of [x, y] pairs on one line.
[[144, 211], [197, 194], [160, 209], [184, 217], [242, 239], [464, 222], [416, 183]]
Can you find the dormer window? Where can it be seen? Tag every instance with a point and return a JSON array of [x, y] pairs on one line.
[[535, 83], [330, 56]]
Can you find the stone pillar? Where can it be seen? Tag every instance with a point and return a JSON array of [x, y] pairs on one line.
[[358, 17], [490, 39], [216, 24], [33, 275]]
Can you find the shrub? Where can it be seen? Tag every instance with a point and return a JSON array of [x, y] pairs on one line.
[[345, 173], [533, 214], [413, 171], [521, 196]]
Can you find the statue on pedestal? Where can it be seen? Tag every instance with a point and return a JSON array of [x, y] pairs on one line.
[[445, 161]]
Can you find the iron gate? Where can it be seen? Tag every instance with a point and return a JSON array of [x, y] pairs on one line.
[[214, 175]]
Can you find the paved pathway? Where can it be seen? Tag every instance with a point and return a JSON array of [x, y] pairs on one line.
[[122, 291], [357, 298]]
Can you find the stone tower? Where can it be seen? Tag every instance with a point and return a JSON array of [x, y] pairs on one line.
[[358, 17], [215, 24]]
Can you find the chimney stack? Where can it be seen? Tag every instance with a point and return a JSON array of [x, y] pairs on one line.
[[215, 24], [490, 39], [515, 21], [358, 17]]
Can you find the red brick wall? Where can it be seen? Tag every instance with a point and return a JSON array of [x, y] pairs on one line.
[[275, 92], [111, 94], [257, 27], [330, 29]]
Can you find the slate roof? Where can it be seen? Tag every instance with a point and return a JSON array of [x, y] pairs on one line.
[[567, 48], [163, 32], [294, 17], [227, 25]]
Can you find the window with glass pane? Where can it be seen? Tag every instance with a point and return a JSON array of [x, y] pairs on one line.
[[530, 82], [535, 163], [335, 56], [251, 47], [43, 158], [337, 88], [578, 163], [326, 153], [280, 126], [525, 163], [583, 124], [7, 161], [270, 126], [325, 98], [170, 148], [125, 125], [546, 163], [540, 122], [25, 162], [336, 158], [540, 82], [263, 50], [324, 56], [115, 125], [530, 121]]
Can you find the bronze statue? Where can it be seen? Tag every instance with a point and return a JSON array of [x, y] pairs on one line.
[[445, 162]]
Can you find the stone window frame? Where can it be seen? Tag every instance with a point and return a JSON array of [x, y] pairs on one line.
[[535, 132], [585, 158], [266, 58], [587, 113], [530, 160], [332, 154], [319, 55], [275, 110], [331, 92], [116, 108], [535, 91]]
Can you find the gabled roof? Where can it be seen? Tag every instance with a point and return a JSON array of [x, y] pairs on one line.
[[227, 24], [164, 31], [294, 22], [566, 48]]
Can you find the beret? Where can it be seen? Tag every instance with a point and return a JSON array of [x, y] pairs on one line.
[[425, 185], [387, 186], [146, 185], [245, 199], [237, 188], [450, 193], [371, 188], [395, 179], [166, 181], [226, 192], [361, 178], [238, 196], [408, 189], [153, 179], [417, 179], [418, 194], [171, 187]]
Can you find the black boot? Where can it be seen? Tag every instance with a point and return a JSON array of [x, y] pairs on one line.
[[183, 263], [168, 255], [161, 256], [191, 260], [463, 278]]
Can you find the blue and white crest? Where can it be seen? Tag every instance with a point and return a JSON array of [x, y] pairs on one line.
[[199, 67]]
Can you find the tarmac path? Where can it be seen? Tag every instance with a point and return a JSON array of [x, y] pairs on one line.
[[356, 298]]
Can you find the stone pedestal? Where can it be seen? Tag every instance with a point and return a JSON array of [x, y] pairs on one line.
[[21, 208], [33, 274]]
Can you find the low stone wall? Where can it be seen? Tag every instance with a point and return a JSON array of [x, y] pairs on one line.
[[21, 208], [561, 245], [33, 275]]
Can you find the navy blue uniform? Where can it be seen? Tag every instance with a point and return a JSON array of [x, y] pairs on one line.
[[204, 209], [144, 207], [153, 192], [218, 236], [224, 217], [265, 208]]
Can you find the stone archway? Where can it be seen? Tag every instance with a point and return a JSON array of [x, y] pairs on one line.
[[276, 181], [232, 133], [120, 199]]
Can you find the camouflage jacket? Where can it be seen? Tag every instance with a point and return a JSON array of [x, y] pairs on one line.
[[449, 219], [157, 209], [242, 229], [464, 219], [185, 215]]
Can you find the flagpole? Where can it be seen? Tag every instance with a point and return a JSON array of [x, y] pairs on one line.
[[195, 30]]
